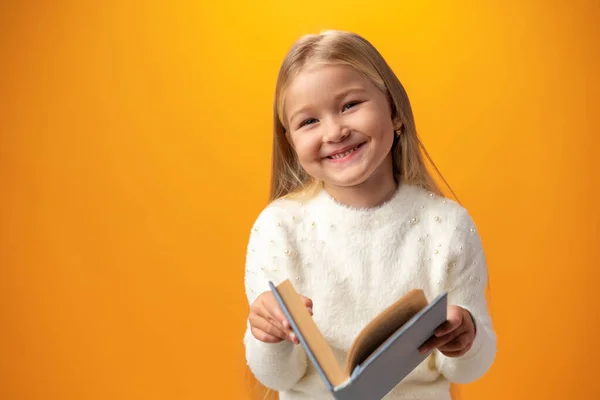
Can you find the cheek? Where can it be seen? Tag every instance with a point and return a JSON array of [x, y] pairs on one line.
[[374, 124], [385, 131], [307, 147]]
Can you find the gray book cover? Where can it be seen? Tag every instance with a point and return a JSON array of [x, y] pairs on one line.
[[387, 366]]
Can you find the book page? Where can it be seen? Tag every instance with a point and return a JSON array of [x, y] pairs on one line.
[[383, 326], [311, 334]]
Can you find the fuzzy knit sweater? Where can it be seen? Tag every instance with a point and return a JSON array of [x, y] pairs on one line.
[[353, 263]]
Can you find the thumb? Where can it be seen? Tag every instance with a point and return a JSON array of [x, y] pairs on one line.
[[307, 302]]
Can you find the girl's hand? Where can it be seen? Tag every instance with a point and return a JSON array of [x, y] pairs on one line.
[[454, 337], [267, 322]]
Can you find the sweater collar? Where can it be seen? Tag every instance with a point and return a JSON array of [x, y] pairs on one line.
[[395, 208]]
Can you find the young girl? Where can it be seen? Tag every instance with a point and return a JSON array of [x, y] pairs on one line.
[[355, 222]]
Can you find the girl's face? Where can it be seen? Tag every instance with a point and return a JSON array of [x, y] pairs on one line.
[[340, 126]]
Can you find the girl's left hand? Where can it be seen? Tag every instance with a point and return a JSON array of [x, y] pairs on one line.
[[454, 337]]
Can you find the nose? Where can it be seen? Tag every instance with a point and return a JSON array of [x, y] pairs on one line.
[[336, 132]]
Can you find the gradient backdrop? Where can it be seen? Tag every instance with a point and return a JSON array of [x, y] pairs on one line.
[[134, 156]]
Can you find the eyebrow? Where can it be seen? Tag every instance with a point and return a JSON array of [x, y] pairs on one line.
[[335, 98]]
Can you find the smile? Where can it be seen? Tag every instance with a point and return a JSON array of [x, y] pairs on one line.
[[345, 154]]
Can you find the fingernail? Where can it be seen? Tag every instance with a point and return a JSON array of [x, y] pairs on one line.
[[293, 337]]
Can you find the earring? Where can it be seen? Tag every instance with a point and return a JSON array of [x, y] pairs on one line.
[[398, 132]]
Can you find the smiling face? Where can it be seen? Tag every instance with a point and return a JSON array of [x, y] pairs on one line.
[[340, 125]]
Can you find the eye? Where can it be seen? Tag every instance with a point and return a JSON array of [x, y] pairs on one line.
[[307, 122], [351, 104]]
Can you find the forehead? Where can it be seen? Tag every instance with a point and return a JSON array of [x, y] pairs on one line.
[[322, 82], [319, 77]]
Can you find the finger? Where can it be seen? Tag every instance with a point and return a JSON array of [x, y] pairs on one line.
[[458, 353], [307, 302], [432, 343], [264, 336], [457, 344], [271, 311], [294, 338], [455, 318], [276, 314], [454, 353], [263, 325], [264, 313], [435, 342], [444, 329]]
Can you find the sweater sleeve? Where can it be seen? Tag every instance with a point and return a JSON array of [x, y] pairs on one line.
[[466, 281], [269, 257]]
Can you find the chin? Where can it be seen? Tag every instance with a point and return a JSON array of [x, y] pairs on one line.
[[351, 177], [347, 182]]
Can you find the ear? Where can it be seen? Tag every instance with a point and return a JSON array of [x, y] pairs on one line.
[[397, 122]]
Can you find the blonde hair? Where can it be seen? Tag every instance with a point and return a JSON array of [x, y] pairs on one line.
[[288, 178]]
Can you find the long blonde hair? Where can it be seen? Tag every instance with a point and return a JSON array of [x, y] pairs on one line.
[[288, 178], [346, 48]]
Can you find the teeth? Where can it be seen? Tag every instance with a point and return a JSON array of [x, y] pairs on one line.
[[341, 155]]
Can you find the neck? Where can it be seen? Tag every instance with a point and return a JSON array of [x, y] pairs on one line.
[[365, 195]]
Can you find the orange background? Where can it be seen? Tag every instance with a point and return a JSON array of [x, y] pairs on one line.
[[134, 156]]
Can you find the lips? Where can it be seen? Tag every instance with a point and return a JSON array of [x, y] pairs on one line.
[[346, 151]]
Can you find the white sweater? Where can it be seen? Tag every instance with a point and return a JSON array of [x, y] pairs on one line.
[[353, 263]]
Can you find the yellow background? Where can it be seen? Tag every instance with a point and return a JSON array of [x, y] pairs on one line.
[[134, 156]]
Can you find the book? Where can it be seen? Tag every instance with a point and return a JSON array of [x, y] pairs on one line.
[[384, 352]]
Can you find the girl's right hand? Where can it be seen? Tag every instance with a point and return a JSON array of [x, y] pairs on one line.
[[267, 322]]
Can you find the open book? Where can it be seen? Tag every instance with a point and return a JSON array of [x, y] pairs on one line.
[[384, 352]]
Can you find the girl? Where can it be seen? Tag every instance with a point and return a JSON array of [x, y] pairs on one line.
[[355, 222]]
